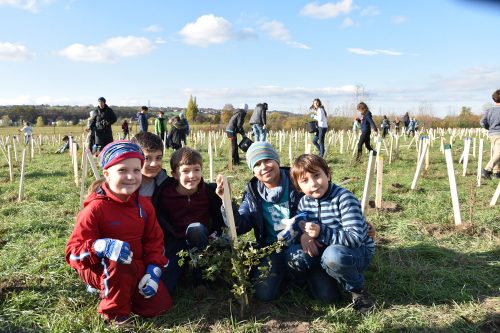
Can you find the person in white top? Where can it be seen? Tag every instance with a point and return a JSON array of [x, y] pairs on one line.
[[27, 131], [319, 114]]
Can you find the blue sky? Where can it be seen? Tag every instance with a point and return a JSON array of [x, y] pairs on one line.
[[429, 55]]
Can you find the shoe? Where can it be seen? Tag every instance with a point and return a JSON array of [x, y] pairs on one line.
[[362, 301], [486, 174], [496, 175]]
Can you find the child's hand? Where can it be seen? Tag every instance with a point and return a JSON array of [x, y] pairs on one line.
[[148, 286], [220, 187], [312, 229], [113, 249], [310, 245]]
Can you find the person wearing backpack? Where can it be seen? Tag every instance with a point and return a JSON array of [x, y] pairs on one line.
[[319, 114], [258, 122]]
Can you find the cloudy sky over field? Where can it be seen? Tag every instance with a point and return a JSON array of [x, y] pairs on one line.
[[407, 55]]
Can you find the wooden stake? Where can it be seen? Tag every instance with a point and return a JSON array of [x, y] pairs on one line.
[[378, 188], [92, 164], [84, 175], [480, 162], [15, 148], [495, 196], [467, 142], [228, 207], [21, 180], [368, 181], [75, 162], [9, 158], [419, 166], [453, 184]]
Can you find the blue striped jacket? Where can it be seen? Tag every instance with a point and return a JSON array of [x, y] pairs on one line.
[[339, 215]]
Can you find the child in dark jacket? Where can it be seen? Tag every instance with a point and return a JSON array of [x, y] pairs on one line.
[[117, 244], [188, 211]]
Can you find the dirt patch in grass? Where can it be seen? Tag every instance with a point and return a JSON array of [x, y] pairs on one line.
[[286, 326], [440, 230], [398, 188], [386, 206], [8, 287]]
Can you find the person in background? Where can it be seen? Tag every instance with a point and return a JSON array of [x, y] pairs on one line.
[[177, 135], [27, 131], [411, 127], [117, 245], [356, 125], [397, 125], [386, 126], [258, 122], [491, 121], [319, 114], [184, 121], [104, 118], [366, 125], [142, 119], [125, 130], [406, 122], [235, 126], [160, 125]]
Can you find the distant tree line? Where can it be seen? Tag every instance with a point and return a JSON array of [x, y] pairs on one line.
[[41, 115]]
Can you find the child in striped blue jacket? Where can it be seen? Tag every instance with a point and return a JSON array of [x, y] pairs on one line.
[[335, 235]]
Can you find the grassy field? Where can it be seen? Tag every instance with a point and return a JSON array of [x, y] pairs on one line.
[[426, 276]]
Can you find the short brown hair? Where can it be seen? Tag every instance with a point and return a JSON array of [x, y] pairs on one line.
[[185, 156], [496, 96], [148, 141], [307, 163], [144, 108], [363, 108]]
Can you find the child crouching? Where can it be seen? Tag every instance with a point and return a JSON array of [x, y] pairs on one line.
[[117, 244], [336, 234]]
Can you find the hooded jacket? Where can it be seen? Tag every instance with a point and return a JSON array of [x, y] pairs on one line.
[[491, 120], [106, 216], [235, 124], [250, 216], [102, 122], [259, 115]]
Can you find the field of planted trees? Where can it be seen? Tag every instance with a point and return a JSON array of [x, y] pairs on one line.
[[436, 266]]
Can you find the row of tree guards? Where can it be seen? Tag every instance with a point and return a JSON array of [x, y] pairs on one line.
[[344, 141]]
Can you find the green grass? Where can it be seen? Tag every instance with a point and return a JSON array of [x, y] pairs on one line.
[[426, 276]]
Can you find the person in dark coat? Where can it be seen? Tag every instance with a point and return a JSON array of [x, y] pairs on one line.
[[177, 133], [104, 118], [235, 126], [142, 119], [406, 121], [366, 125], [258, 122]]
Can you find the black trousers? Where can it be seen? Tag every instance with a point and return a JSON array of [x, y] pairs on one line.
[[364, 139]]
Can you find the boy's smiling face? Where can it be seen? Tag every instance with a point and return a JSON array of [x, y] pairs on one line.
[[153, 162], [314, 184], [189, 177]]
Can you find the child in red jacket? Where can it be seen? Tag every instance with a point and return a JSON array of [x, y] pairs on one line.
[[117, 243]]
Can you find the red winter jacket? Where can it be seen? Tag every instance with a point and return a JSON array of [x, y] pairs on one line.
[[106, 216]]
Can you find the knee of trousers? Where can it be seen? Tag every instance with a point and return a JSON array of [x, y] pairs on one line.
[[336, 257], [297, 260], [197, 235]]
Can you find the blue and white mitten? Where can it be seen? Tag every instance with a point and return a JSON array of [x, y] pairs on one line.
[[148, 286], [113, 249], [289, 228]]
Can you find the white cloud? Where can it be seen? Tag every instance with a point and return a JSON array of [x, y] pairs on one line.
[[160, 40], [327, 10], [153, 28], [30, 5], [277, 30], [399, 19], [360, 51], [347, 23], [370, 11], [14, 52], [37, 100], [110, 50], [206, 30], [298, 45]]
